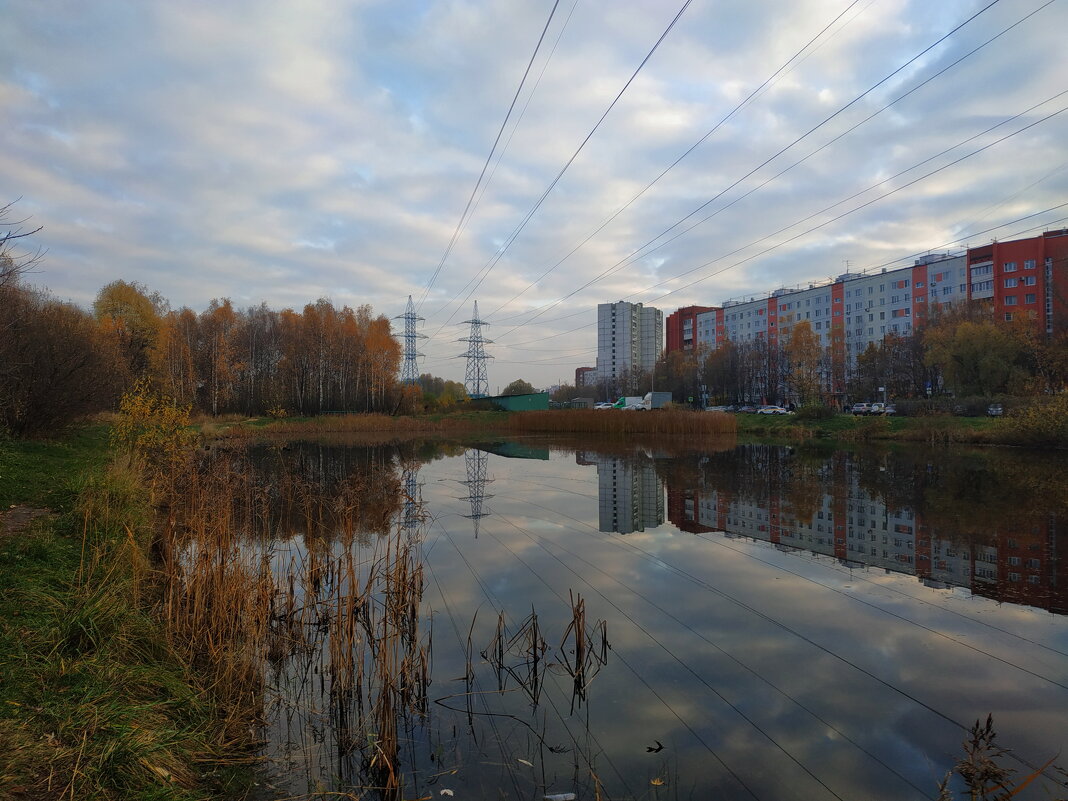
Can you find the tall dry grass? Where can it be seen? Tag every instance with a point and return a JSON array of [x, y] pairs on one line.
[[267, 579], [615, 422]]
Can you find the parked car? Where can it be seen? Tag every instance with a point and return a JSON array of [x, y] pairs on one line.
[[995, 410], [772, 410], [603, 406], [747, 409], [889, 409], [718, 409], [861, 408], [877, 408]]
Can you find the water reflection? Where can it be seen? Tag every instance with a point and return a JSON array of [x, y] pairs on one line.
[[869, 510], [742, 640], [630, 492]]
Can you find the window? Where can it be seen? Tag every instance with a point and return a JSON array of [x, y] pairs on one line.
[[1008, 267], [1011, 283], [1029, 280], [1010, 300], [1029, 264], [919, 284], [1008, 317]]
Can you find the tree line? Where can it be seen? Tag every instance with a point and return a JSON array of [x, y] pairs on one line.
[[59, 362]]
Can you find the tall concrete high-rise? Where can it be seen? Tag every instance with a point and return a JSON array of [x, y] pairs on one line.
[[629, 336]]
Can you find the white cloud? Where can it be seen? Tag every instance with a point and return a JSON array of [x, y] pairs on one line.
[[265, 151]]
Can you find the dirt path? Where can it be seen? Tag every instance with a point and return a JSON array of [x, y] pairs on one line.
[[18, 519]]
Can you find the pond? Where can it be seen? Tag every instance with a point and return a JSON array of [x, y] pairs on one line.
[[529, 619]]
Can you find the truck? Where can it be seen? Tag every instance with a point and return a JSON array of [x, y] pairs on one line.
[[652, 400], [656, 400]]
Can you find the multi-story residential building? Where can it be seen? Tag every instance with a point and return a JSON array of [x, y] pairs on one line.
[[585, 376], [682, 327], [629, 335], [1022, 277]]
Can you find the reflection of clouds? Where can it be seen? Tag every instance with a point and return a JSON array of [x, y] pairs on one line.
[[707, 587]]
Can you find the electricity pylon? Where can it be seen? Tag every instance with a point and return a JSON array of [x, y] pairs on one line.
[[410, 367], [475, 380]]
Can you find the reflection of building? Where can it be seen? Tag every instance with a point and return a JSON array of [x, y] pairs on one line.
[[1021, 565], [630, 493]]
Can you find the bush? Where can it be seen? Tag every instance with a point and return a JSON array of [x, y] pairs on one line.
[[1043, 423], [814, 411]]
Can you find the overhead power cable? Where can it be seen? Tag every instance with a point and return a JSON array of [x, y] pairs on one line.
[[519, 228], [638, 253], [944, 245], [481, 175], [767, 81]]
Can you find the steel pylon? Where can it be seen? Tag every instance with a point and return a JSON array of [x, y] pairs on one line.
[[475, 379], [410, 365]]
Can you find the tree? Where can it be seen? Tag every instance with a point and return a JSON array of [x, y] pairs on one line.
[[518, 387], [803, 354], [15, 263], [131, 316]]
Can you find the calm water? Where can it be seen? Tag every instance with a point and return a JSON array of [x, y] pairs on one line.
[[760, 622]]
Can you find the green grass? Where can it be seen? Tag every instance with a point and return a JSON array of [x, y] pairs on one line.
[[93, 703], [39, 472], [846, 427]]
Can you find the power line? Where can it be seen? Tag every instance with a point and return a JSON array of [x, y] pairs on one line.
[[515, 233], [781, 70], [500, 131], [944, 245], [637, 253]]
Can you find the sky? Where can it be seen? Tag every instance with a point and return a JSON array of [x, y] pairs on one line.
[[285, 152]]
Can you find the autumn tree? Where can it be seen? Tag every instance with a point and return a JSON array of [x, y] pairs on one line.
[[55, 364], [803, 353], [218, 362], [518, 387], [132, 317]]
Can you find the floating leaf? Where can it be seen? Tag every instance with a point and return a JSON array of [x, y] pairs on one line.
[[531, 764], [657, 782], [447, 792]]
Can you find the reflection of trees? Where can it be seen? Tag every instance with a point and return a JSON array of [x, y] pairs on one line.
[[305, 488]]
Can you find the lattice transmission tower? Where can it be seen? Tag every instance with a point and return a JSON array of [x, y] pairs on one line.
[[475, 380], [410, 367]]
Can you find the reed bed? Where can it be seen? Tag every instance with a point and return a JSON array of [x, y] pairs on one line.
[[299, 593], [615, 422]]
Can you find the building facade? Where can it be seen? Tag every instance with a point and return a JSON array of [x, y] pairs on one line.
[[629, 336], [585, 376], [1024, 278]]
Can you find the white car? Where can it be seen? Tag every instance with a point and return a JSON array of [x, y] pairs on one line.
[[603, 406], [773, 410]]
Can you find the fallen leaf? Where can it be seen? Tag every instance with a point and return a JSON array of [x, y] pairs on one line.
[[656, 782], [531, 764]]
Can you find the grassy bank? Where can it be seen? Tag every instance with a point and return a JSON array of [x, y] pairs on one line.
[[93, 702], [1044, 428]]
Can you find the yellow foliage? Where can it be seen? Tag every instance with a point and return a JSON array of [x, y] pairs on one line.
[[151, 427]]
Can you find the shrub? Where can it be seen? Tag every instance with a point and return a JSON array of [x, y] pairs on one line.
[[1043, 423], [814, 411]]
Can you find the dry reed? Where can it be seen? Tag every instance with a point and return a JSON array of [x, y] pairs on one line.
[[616, 422], [253, 606]]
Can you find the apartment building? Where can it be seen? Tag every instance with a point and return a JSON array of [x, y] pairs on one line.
[[629, 335], [1024, 277]]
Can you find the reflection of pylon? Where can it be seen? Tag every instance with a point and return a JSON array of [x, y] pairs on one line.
[[475, 379], [476, 484], [412, 515], [410, 367]]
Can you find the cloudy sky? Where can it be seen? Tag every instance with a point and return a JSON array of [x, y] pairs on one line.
[[283, 152]]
